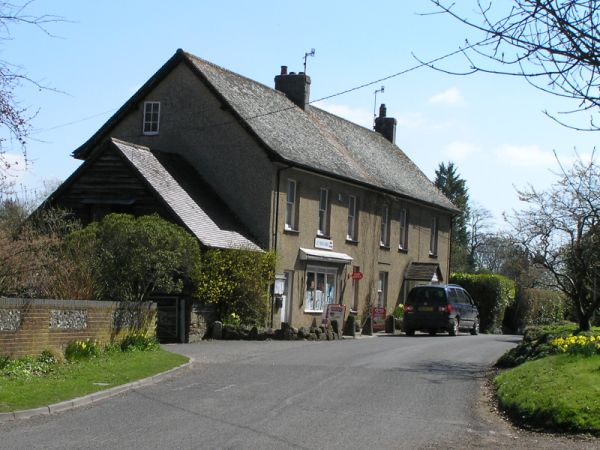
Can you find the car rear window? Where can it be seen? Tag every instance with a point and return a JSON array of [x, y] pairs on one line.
[[429, 295]]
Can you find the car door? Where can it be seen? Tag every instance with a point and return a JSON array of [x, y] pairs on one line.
[[467, 317], [470, 305]]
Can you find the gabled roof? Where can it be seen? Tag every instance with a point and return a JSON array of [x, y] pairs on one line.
[[311, 139], [196, 207]]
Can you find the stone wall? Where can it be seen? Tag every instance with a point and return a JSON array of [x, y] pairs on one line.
[[201, 318], [29, 326]]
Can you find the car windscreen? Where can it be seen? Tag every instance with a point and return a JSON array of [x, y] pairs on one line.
[[429, 295]]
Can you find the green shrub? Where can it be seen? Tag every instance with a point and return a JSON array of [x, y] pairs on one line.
[[399, 311], [139, 342], [29, 366], [535, 307], [540, 341], [492, 295], [132, 257], [77, 350], [237, 281]]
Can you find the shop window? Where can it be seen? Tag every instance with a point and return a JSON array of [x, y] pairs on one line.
[[320, 288], [382, 290]]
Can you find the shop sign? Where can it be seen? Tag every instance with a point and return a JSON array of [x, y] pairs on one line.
[[326, 244]]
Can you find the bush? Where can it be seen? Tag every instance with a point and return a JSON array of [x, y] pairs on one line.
[[82, 350], [139, 342], [541, 341], [237, 281], [492, 295], [535, 307], [29, 366], [133, 257]]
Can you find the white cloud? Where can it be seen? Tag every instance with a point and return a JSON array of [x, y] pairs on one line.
[[450, 96], [525, 156], [359, 116], [411, 120], [459, 150]]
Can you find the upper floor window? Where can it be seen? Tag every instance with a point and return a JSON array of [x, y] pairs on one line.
[[433, 243], [351, 234], [385, 226], [290, 211], [323, 211], [403, 245], [151, 117]]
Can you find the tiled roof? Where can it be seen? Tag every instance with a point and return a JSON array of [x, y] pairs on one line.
[[316, 139], [311, 139], [197, 207]]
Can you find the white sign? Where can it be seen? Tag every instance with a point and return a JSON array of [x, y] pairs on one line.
[[326, 244]]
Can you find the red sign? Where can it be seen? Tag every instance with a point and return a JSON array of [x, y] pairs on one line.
[[378, 317], [357, 275]]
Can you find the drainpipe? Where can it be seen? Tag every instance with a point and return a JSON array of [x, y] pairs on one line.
[[275, 230]]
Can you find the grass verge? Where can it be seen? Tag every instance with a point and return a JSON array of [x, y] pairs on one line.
[[69, 381], [557, 393]]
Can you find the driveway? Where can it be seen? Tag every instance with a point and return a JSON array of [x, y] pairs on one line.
[[381, 392]]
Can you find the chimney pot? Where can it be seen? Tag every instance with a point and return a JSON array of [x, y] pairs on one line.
[[382, 110], [283, 70]]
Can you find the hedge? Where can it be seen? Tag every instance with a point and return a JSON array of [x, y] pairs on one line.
[[535, 307], [492, 295]]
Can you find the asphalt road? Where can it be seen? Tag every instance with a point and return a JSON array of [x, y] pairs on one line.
[[381, 392]]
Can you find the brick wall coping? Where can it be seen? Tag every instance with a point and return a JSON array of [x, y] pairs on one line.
[[16, 302]]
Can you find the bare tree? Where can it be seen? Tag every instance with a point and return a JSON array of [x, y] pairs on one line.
[[478, 227], [553, 44], [559, 231], [15, 120]]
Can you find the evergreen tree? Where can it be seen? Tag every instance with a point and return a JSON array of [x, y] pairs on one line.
[[449, 182]]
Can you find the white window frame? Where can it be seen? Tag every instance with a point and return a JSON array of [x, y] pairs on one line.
[[290, 211], [433, 242], [382, 289], [150, 127], [403, 219], [351, 232], [384, 241], [316, 297], [323, 211]]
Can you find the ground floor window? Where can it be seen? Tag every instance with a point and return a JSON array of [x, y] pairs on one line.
[[320, 288]]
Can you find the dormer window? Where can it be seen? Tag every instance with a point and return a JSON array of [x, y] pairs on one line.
[[151, 118]]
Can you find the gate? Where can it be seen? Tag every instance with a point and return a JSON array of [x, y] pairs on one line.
[[171, 319]]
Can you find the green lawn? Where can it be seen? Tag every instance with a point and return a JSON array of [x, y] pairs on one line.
[[559, 392], [84, 377]]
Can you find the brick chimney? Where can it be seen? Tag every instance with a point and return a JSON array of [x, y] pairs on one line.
[[295, 86], [386, 126]]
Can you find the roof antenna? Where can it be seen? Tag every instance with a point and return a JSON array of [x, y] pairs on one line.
[[306, 55], [382, 89]]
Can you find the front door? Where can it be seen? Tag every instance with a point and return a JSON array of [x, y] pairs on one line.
[[286, 299]]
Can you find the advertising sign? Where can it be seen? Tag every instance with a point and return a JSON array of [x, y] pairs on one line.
[[334, 312], [378, 317]]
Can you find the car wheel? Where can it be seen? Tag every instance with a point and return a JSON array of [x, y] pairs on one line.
[[453, 331], [475, 329], [432, 332], [410, 332]]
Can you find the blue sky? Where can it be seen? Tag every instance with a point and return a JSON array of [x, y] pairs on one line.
[[491, 127]]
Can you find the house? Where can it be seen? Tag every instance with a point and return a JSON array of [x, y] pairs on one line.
[[239, 164]]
